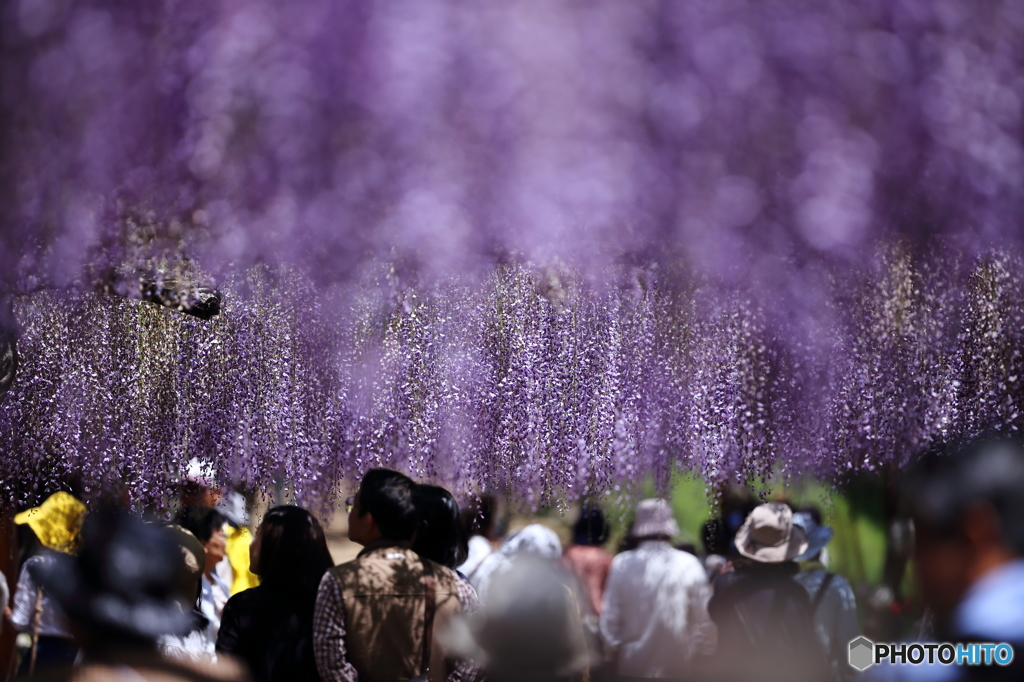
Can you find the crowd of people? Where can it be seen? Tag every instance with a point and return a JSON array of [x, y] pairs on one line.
[[440, 593]]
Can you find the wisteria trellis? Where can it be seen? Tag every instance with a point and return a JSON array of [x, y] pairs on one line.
[[531, 380], [558, 246]]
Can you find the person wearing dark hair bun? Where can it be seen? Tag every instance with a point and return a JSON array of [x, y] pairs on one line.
[[270, 627], [587, 557]]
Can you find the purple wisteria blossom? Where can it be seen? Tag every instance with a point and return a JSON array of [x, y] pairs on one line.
[[531, 381], [550, 247]]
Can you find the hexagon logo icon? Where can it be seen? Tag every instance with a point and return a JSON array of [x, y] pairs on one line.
[[862, 653]]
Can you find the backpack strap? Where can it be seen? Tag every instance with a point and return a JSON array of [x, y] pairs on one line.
[[820, 594], [779, 602], [428, 614]]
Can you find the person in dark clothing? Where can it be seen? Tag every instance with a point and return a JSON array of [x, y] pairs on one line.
[[833, 601], [121, 595], [270, 627], [49, 530], [764, 617], [440, 537]]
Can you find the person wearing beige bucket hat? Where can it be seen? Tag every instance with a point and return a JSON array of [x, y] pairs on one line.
[[769, 536], [764, 616]]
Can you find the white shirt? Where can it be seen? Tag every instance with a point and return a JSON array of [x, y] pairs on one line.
[[51, 620], [533, 540], [195, 646], [479, 548], [215, 596], [655, 610], [224, 570], [494, 564]]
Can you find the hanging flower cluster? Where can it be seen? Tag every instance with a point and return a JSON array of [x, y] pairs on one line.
[[558, 247], [529, 380]]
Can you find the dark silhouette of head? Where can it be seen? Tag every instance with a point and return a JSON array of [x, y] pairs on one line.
[[122, 588], [289, 552], [440, 537], [715, 537], [591, 528], [384, 507], [202, 522], [813, 510]]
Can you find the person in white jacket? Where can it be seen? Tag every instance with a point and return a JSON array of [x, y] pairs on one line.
[[654, 616]]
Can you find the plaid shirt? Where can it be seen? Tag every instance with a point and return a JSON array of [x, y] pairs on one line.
[[329, 633]]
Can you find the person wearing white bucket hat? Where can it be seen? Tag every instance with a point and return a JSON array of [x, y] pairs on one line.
[[654, 613], [764, 620]]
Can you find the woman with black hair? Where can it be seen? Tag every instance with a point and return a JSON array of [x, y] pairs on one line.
[[270, 627], [440, 537], [587, 558]]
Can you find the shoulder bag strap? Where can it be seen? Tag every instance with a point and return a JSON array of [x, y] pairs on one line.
[[37, 615], [428, 615]]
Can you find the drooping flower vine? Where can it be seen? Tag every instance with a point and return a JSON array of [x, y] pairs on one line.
[[557, 248], [530, 380]]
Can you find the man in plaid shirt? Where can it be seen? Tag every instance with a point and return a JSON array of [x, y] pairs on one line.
[[370, 615]]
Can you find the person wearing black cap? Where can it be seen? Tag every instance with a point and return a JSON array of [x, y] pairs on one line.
[[121, 595]]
